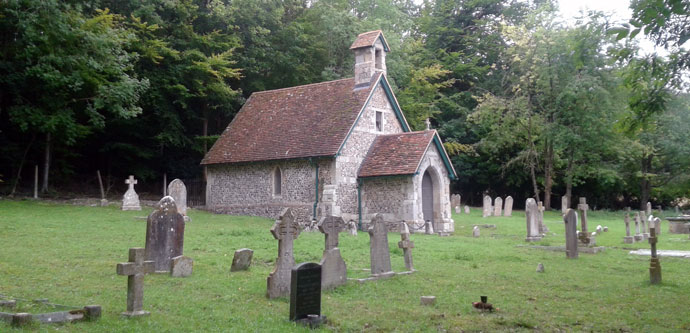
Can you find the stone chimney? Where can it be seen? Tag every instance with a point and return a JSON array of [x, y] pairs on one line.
[[370, 56]]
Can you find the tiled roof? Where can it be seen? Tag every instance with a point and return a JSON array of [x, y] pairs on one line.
[[304, 121], [396, 154], [366, 39]]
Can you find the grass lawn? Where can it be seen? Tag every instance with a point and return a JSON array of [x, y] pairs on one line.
[[68, 254]]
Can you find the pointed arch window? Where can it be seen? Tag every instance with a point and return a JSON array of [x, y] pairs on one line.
[[277, 182]]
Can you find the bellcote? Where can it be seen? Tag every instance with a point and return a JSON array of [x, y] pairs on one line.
[[370, 50]]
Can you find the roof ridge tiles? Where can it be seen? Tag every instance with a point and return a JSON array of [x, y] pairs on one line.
[[302, 86]]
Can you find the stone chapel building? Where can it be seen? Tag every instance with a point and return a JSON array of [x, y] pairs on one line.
[[340, 147]]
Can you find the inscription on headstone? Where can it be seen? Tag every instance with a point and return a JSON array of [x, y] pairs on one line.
[[164, 234], [305, 291]]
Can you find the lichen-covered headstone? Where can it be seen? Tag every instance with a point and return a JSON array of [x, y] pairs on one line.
[[242, 260], [285, 230], [532, 217], [508, 210], [178, 191], [333, 268], [164, 234], [130, 201], [378, 247]]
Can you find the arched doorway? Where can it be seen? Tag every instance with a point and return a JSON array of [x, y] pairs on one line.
[[428, 197]]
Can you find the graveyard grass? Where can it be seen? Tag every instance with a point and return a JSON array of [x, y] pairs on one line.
[[68, 254]]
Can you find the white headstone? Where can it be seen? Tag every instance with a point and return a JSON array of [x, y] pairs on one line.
[[475, 231], [508, 211], [487, 206], [178, 191], [130, 201], [467, 209], [498, 206], [532, 217]]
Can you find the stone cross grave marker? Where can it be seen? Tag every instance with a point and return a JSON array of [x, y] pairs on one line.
[[378, 248], [486, 211], [178, 191], [654, 264], [467, 209], [333, 268], [130, 201], [508, 210], [532, 216], [164, 234], [638, 235], [570, 219], [645, 226], [542, 227], [564, 204], [242, 260], [585, 238], [285, 230], [135, 270], [305, 293], [627, 239], [406, 245], [181, 266], [649, 208], [498, 206]]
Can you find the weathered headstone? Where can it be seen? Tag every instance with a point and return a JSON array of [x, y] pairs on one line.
[[475, 231], [130, 201], [427, 300], [508, 211], [406, 245], [532, 216], [285, 230], [181, 266], [657, 225], [333, 268], [135, 270], [654, 264], [467, 209], [627, 239], [164, 234], [305, 294], [352, 228], [242, 260], [564, 204], [498, 206], [570, 219], [599, 229], [178, 191], [585, 237], [638, 235], [455, 200], [429, 228], [540, 268], [648, 208], [458, 210], [645, 226], [542, 227], [486, 208], [378, 248]]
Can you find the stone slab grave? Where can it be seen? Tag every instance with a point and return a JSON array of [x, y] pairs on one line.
[[130, 201], [486, 206], [498, 206], [135, 270], [178, 191], [305, 294], [333, 268], [662, 253], [679, 224], [508, 210], [55, 313], [164, 234], [532, 217], [406, 245], [285, 230], [242, 260]]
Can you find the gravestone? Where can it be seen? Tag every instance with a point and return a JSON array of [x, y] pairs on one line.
[[475, 231], [570, 219], [178, 191], [498, 206], [638, 236], [305, 294], [352, 228], [181, 266], [130, 201], [649, 208], [540, 268], [627, 239], [657, 225], [429, 228], [285, 230], [427, 300], [241, 260], [455, 200], [508, 210], [486, 208], [406, 245], [164, 234], [532, 216], [135, 270], [467, 209], [677, 210], [564, 204], [585, 237], [542, 227], [378, 248], [333, 268], [458, 210], [645, 226], [654, 264]]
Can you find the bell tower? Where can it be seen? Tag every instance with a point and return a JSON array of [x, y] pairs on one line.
[[370, 50]]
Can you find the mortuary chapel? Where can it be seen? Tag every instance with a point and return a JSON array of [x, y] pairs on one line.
[[341, 148]]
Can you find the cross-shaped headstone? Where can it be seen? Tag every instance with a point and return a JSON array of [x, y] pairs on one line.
[[333, 268], [331, 226], [131, 181], [285, 230], [583, 207], [654, 265], [407, 245], [135, 270]]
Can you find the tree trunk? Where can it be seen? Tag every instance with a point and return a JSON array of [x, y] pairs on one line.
[[569, 181], [645, 184], [21, 166], [46, 165], [548, 173], [205, 135], [532, 160]]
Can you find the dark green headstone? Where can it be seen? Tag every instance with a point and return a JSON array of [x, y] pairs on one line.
[[305, 291]]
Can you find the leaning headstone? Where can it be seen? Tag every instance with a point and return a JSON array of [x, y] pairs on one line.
[[305, 294], [486, 208], [532, 216], [429, 228], [333, 268], [475, 231], [378, 248], [178, 191], [627, 239], [181, 266], [467, 209], [638, 235], [570, 219], [130, 201], [564, 204], [654, 264], [242, 260], [164, 234], [135, 270], [498, 206], [285, 230], [508, 211], [648, 208], [406, 245]]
